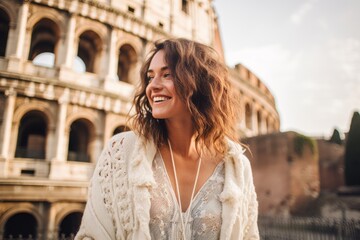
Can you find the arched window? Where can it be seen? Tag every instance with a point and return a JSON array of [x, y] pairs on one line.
[[21, 226], [44, 40], [89, 50], [248, 117], [259, 119], [185, 6], [4, 31], [32, 133], [79, 141], [268, 127], [70, 225], [120, 129], [127, 63]]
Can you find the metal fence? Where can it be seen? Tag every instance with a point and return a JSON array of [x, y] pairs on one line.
[[301, 228], [293, 228], [30, 237]]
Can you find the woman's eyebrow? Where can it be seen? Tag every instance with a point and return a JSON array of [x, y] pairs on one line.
[[161, 69]]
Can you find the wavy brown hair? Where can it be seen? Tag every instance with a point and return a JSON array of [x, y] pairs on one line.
[[201, 80]]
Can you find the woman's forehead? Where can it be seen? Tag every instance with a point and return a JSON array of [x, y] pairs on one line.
[[158, 62]]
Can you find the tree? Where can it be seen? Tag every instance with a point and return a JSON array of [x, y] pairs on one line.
[[335, 138], [352, 152]]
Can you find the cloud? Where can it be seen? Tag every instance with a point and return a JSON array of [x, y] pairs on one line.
[[263, 60], [316, 88], [301, 12], [346, 52]]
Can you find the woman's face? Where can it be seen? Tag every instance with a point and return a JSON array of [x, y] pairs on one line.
[[160, 91]]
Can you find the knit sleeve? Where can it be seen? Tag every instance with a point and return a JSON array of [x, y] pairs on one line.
[[108, 212], [251, 229], [96, 221]]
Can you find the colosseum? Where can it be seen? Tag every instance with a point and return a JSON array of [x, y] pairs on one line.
[[67, 73]]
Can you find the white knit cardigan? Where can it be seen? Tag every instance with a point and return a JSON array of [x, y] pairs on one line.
[[118, 205]]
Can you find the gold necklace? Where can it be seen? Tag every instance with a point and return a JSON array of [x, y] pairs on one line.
[[183, 224]]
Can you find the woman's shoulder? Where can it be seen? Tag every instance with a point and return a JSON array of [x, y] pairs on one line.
[[237, 152], [235, 148], [123, 140]]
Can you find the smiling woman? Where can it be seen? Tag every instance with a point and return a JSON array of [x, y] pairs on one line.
[[182, 173]]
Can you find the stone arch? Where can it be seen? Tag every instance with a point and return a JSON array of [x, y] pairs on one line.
[[119, 129], [10, 10], [32, 133], [81, 135], [87, 33], [21, 225], [22, 208], [48, 13], [66, 225], [127, 62], [81, 145], [133, 42], [69, 226], [45, 33], [90, 47], [89, 25], [45, 38], [89, 116], [43, 110], [39, 106]]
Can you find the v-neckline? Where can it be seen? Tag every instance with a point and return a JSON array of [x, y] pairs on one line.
[[197, 193]]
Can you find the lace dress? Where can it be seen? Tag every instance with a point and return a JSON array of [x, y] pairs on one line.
[[205, 218]]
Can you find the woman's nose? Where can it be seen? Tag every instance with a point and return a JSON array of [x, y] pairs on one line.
[[155, 82]]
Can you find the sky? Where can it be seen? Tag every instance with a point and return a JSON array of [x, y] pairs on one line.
[[307, 52]]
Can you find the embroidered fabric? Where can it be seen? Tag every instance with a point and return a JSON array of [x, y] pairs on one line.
[[205, 218], [112, 164]]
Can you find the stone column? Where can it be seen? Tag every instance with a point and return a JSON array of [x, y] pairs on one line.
[[23, 14], [113, 55], [60, 132], [69, 43], [8, 117], [171, 17], [193, 13], [58, 167], [144, 9], [254, 123], [17, 57]]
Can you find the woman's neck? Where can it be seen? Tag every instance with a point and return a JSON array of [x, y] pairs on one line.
[[182, 138]]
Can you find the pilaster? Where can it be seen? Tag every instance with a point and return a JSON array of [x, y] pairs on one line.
[[60, 132], [254, 117], [8, 116], [17, 57], [69, 43]]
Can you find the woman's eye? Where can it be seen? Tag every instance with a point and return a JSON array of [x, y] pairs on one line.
[[149, 78], [167, 75]]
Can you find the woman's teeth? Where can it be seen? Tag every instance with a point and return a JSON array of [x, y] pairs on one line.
[[160, 99]]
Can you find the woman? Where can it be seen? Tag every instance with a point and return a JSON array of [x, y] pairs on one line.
[[181, 174]]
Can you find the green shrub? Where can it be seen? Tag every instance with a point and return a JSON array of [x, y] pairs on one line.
[[300, 141], [352, 152], [335, 138]]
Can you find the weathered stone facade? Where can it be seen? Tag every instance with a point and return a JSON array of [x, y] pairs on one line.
[[286, 172], [55, 118]]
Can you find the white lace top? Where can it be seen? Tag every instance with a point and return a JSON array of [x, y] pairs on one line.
[[205, 218], [123, 192]]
